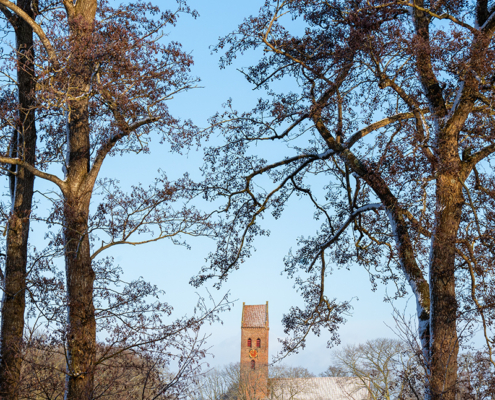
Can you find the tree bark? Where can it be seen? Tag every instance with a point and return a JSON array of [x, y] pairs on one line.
[[22, 183], [81, 332], [444, 345]]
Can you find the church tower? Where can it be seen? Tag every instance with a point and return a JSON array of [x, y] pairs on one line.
[[254, 351]]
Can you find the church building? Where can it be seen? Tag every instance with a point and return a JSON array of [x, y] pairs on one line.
[[254, 381], [254, 351]]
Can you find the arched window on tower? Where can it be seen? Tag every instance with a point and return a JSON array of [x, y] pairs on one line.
[[250, 343], [253, 364], [258, 342]]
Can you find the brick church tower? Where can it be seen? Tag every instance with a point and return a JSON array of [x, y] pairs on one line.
[[254, 351]]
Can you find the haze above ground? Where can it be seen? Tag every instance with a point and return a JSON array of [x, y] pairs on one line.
[[259, 279]]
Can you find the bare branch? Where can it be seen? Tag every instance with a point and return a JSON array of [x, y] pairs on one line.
[[489, 26], [69, 8], [36, 28], [473, 30], [352, 217], [377, 125], [481, 12], [10, 17], [49, 177], [475, 158], [111, 142]]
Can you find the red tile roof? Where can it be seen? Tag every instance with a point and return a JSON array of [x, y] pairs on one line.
[[255, 316]]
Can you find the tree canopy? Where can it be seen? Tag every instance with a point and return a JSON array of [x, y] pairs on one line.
[[379, 115]]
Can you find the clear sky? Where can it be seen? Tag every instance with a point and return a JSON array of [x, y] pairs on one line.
[[259, 280]]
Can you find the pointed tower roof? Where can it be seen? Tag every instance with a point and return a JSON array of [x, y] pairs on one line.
[[255, 316]]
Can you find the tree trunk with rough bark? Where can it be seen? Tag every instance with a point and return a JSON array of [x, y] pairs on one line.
[[22, 183], [444, 345], [81, 332]]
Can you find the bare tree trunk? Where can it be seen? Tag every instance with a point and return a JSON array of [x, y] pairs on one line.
[[444, 345], [22, 183], [81, 332]]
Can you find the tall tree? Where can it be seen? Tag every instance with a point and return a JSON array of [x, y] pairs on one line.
[[23, 147], [382, 113], [103, 80]]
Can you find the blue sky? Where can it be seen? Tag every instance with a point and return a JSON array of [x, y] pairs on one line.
[[259, 279]]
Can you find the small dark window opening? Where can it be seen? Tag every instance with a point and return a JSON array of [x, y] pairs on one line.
[[258, 342], [253, 364], [250, 344]]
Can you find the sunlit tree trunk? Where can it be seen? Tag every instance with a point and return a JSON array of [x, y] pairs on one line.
[[81, 331], [444, 346]]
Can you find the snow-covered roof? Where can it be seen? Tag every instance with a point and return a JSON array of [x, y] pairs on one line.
[[325, 388], [255, 316]]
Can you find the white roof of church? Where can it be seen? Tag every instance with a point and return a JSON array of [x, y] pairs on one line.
[[325, 388]]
